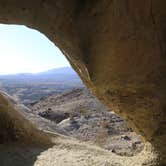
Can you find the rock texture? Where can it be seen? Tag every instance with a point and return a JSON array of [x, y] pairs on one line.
[[78, 114], [15, 128], [117, 47]]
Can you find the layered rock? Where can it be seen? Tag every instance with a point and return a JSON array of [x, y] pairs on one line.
[[117, 47]]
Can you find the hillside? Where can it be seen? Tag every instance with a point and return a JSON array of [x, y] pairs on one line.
[[80, 115]]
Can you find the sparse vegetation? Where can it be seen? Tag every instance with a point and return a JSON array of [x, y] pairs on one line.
[[87, 120], [101, 137]]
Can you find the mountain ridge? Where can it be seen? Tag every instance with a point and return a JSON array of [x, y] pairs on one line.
[[60, 70], [31, 87]]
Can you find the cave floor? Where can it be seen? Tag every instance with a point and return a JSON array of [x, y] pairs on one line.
[[69, 152]]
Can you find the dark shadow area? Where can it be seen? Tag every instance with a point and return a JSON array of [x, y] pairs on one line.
[[20, 141], [20, 155], [15, 127]]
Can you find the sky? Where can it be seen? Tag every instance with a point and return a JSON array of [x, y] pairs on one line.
[[25, 50]]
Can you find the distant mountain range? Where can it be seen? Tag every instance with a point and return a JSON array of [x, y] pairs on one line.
[[28, 87], [62, 70], [58, 74]]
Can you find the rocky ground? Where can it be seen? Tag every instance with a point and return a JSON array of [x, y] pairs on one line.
[[70, 152], [56, 146], [77, 113]]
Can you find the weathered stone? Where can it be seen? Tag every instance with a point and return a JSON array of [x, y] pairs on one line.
[[15, 127], [117, 47]]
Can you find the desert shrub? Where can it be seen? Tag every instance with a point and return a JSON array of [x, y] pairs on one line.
[[83, 112], [101, 137]]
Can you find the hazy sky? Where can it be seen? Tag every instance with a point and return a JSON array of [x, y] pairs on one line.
[[26, 50]]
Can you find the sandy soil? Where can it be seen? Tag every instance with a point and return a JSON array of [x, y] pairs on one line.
[[69, 152]]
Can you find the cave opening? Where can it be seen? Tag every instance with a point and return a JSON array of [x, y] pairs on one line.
[[117, 49], [54, 96]]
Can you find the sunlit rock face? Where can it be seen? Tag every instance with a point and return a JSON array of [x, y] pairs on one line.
[[117, 47]]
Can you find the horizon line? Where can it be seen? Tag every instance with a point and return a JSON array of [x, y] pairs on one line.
[[35, 72]]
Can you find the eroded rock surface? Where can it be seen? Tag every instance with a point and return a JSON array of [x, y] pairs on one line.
[[80, 115], [15, 128], [117, 47]]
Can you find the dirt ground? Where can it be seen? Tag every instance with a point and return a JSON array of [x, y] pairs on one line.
[[70, 152]]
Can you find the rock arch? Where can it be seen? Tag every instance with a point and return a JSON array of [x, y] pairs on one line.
[[117, 47]]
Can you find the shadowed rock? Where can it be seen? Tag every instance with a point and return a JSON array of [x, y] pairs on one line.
[[15, 128]]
